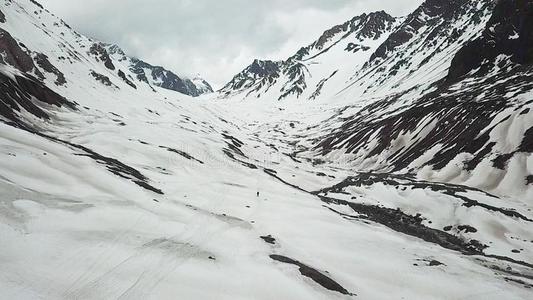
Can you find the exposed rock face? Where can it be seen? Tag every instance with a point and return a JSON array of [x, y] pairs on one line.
[[102, 79], [460, 129], [374, 25], [18, 94], [366, 26], [263, 68], [43, 62], [259, 73], [202, 85], [132, 71], [296, 72], [430, 13], [460, 126], [116, 50], [424, 43], [157, 76], [371, 26], [509, 32], [37, 4], [14, 55], [352, 47], [100, 53], [123, 76], [166, 79]]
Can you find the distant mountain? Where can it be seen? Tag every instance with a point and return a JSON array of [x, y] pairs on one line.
[[323, 65], [39, 41], [159, 76]]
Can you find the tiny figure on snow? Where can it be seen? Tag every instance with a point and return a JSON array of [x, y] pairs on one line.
[[257, 193]]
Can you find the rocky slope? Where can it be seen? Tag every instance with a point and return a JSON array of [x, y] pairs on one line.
[[473, 126]]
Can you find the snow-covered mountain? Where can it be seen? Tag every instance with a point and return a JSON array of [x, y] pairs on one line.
[[469, 123], [327, 62], [71, 57], [371, 54], [158, 76], [392, 158]]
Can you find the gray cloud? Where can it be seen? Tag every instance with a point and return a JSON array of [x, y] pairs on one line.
[[215, 38]]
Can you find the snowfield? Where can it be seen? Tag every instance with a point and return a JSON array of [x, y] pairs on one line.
[[122, 192]]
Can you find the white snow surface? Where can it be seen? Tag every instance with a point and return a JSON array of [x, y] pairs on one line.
[[71, 229]]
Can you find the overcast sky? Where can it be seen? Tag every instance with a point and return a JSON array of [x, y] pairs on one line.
[[213, 38]]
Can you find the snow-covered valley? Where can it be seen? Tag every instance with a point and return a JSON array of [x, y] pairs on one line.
[[113, 187]]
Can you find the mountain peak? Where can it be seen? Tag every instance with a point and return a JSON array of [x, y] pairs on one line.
[[263, 67], [364, 26], [113, 49], [373, 25]]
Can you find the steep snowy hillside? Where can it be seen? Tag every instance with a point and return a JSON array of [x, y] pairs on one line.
[[417, 188], [475, 129]]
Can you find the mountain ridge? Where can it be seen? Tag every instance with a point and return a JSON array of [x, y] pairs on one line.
[[445, 26], [294, 71], [77, 49]]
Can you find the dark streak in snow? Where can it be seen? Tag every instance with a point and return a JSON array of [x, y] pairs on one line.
[[314, 274], [268, 239], [182, 153]]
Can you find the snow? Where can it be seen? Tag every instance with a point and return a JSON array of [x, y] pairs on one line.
[[71, 229]]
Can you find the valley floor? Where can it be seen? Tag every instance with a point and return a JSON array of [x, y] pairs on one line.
[[190, 200]]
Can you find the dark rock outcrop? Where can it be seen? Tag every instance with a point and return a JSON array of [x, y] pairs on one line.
[[102, 79], [2, 17], [37, 4], [101, 54], [166, 79], [312, 273], [126, 80], [43, 62], [257, 75], [14, 54], [399, 221], [430, 13], [509, 32], [365, 26], [268, 239], [405, 181], [159, 76], [262, 68], [18, 94]]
